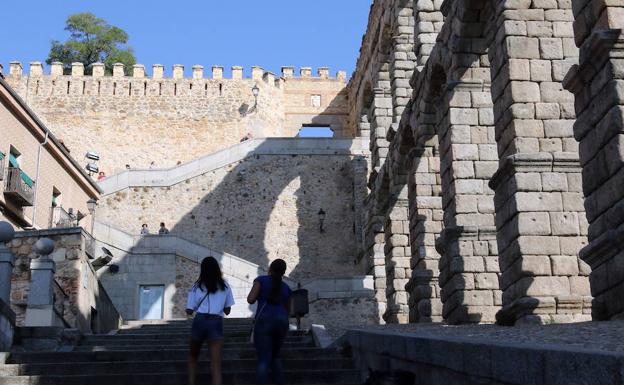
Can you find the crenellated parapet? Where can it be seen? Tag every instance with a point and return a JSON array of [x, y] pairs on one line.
[[138, 71]]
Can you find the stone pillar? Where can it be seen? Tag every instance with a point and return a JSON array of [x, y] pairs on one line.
[[374, 240], [40, 310], [469, 283], [257, 73], [138, 71], [217, 72], [397, 259], [178, 71], [77, 69], [323, 72], [305, 72], [56, 68], [97, 70], [539, 205], [288, 72], [425, 214], [158, 71], [118, 70], [198, 71], [237, 72], [597, 85], [15, 68], [36, 68], [381, 111]]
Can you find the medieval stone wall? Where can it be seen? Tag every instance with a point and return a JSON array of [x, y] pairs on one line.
[[260, 208], [160, 122]]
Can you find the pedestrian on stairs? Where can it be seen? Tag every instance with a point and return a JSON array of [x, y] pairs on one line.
[[271, 324], [210, 299]]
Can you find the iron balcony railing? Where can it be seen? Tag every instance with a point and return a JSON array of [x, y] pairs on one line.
[[2, 166], [61, 218], [17, 189]]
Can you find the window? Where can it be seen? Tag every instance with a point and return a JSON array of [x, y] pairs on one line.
[[315, 100], [56, 197], [14, 158], [315, 132]]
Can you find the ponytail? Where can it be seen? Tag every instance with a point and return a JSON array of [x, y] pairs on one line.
[[277, 269]]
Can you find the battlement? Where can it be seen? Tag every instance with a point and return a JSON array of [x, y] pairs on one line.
[[158, 72]]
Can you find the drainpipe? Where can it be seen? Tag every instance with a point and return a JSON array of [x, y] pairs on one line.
[[37, 176]]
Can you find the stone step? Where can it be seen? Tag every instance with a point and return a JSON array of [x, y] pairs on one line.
[[180, 366], [307, 377], [90, 341], [175, 345], [160, 355]]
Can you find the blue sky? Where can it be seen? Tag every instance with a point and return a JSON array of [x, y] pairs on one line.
[[268, 33]]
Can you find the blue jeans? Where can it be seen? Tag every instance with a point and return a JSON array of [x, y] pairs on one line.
[[269, 335]]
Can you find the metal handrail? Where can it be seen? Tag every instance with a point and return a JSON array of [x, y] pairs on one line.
[[60, 218], [16, 186]]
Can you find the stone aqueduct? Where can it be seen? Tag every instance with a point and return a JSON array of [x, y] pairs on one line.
[[480, 208]]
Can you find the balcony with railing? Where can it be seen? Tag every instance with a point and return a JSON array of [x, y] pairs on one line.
[[19, 187], [61, 218]]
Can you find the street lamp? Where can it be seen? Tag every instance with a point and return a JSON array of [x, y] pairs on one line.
[[321, 215], [255, 91]]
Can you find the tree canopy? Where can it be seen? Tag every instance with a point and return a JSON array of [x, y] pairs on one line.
[[92, 40]]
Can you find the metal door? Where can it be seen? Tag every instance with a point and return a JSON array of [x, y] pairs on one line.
[[151, 302]]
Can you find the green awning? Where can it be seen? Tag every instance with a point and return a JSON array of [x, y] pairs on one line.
[[13, 161], [1, 155], [26, 179]]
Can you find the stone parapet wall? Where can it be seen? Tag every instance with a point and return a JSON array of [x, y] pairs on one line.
[[258, 208], [442, 355], [78, 295], [163, 121]]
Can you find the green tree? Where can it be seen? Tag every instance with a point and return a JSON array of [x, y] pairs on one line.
[[92, 40]]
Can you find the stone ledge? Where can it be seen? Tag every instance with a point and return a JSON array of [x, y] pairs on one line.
[[604, 247], [538, 162], [267, 146], [584, 353]]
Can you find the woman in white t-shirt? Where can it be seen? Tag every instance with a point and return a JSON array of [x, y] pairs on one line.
[[210, 298]]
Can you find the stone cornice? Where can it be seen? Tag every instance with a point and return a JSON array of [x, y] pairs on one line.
[[604, 247], [464, 233], [538, 162]]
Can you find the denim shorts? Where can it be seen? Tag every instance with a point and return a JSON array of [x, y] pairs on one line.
[[207, 327]]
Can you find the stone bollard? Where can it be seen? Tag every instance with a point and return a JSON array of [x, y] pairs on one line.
[[40, 310], [7, 317]]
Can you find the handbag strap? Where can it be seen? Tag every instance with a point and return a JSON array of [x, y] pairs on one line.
[[200, 302], [260, 312]]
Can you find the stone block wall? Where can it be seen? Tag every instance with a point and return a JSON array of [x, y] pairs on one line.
[[78, 295], [160, 122], [597, 86], [260, 208]]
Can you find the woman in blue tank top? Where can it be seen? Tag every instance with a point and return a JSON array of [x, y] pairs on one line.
[[271, 325]]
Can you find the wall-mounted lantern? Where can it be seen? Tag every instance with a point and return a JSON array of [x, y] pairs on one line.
[[321, 215]]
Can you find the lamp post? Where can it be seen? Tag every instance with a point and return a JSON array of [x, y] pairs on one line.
[[7, 261], [255, 92], [321, 215]]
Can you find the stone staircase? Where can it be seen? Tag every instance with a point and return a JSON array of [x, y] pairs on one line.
[[156, 354]]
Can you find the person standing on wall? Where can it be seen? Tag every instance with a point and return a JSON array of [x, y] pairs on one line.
[[210, 299], [271, 324]]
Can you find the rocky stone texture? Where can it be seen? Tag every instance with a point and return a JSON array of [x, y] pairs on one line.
[[79, 295], [597, 85], [259, 209]]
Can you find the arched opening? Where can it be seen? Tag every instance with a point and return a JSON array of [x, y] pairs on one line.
[[315, 131]]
